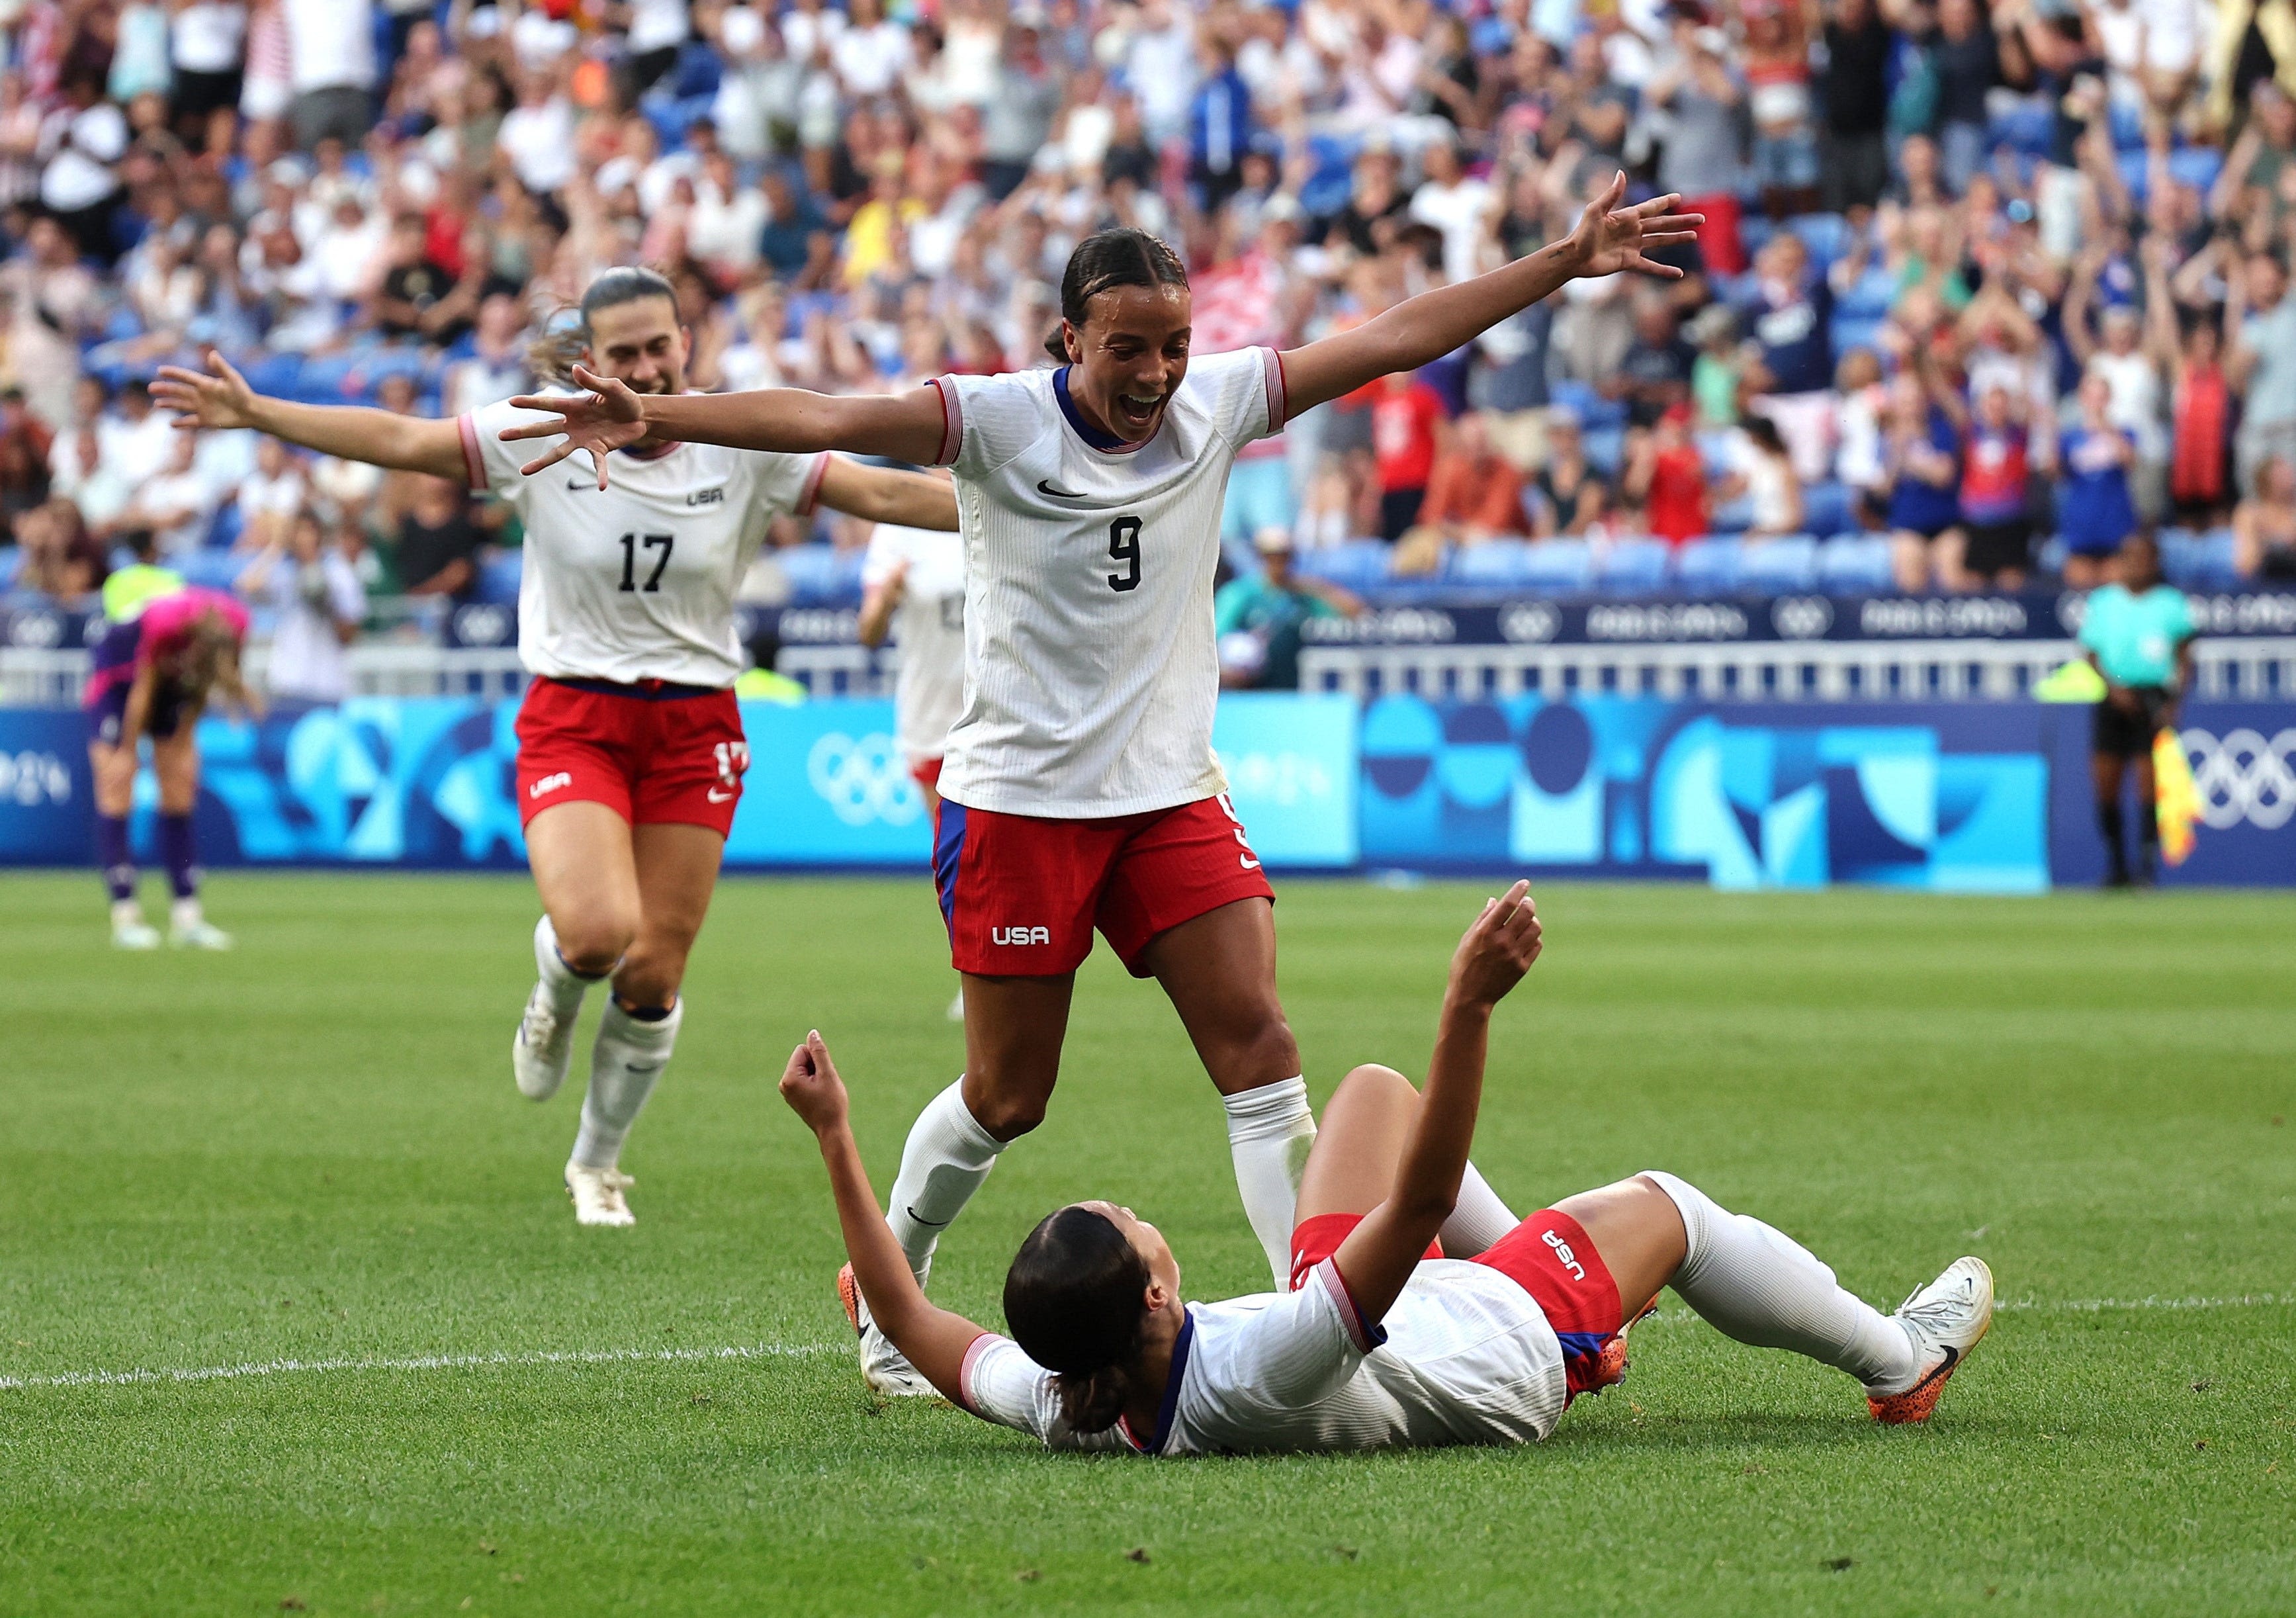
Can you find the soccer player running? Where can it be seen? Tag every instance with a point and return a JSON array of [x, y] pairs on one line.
[[630, 748], [1418, 1310], [1080, 787], [153, 673]]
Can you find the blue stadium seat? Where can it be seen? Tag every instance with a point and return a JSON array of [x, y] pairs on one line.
[[1780, 566], [1559, 566], [1708, 567], [1825, 234], [2027, 128], [2135, 174], [2127, 124], [1357, 564], [1494, 564], [2180, 555], [1855, 564], [2216, 571], [811, 571], [1754, 231], [1632, 567], [225, 527], [2049, 556], [498, 580], [1605, 448], [1854, 331], [11, 561], [1828, 509], [1870, 296]]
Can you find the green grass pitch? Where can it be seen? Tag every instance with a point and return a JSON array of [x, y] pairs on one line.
[[310, 1151]]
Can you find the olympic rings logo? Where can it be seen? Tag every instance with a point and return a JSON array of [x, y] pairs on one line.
[[2243, 778], [863, 780]]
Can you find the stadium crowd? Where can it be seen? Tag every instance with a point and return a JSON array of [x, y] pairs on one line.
[[1980, 293]]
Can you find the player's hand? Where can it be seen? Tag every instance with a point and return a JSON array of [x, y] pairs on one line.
[[608, 418], [1497, 950], [1610, 238], [811, 1086], [218, 398]]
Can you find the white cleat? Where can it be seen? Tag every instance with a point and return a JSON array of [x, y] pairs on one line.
[[883, 1367], [543, 1047], [1946, 1319], [197, 934], [597, 1195], [137, 935]]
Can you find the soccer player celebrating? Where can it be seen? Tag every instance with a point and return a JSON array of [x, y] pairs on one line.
[[1418, 1310], [154, 674], [630, 747], [1079, 788]]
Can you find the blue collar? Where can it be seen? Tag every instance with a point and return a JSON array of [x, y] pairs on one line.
[[1169, 1407], [1106, 443]]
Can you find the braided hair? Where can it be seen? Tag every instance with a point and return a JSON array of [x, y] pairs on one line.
[[1123, 257], [1074, 1299]]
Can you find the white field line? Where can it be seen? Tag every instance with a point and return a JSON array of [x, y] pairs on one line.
[[805, 1351], [423, 1362]]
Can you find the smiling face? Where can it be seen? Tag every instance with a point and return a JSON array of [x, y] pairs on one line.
[[641, 344], [1129, 357]]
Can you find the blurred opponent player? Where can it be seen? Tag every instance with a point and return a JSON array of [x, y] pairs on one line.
[[1081, 788], [630, 746], [153, 673], [1485, 1327], [912, 587]]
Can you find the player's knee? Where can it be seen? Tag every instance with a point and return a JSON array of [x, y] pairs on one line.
[[1261, 1048], [594, 943], [1009, 1117]]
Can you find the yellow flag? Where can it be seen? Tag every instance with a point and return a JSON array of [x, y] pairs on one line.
[[2177, 801]]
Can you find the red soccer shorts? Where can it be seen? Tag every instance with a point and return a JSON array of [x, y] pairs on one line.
[[1549, 1256], [926, 773], [1022, 894], [653, 753]]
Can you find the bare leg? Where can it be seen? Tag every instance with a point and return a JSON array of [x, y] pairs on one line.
[[584, 868], [1909, 560], [1013, 1031], [676, 873], [176, 761], [1637, 1231], [1353, 1164], [1219, 971]]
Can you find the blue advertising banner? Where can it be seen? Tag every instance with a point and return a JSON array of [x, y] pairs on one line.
[[1959, 797]]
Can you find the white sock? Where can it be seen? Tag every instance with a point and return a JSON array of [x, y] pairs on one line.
[[948, 1156], [186, 912], [563, 984], [1270, 1131], [625, 1065], [1760, 1286], [1478, 1219]]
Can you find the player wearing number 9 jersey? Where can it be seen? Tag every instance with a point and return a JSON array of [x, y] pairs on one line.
[[1079, 788], [630, 744]]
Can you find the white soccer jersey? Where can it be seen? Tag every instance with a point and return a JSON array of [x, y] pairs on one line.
[[1466, 1356], [930, 627], [635, 581], [1091, 672]]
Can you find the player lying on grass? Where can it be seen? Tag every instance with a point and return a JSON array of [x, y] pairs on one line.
[[1384, 1337]]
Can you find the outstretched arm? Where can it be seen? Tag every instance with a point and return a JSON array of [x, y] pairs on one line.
[[933, 1340], [1379, 1255], [901, 427], [219, 397], [909, 499], [1432, 324]]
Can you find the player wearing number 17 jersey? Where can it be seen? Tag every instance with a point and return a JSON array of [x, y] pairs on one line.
[[1080, 789], [630, 746]]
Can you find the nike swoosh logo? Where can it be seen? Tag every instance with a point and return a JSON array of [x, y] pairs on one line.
[[640, 1069], [718, 797], [580, 483], [929, 1224], [1944, 1368], [1045, 488]]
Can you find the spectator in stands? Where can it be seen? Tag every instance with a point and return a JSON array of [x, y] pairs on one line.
[[1696, 108], [438, 545], [1258, 619], [1474, 495], [1407, 426], [1787, 312], [1667, 475], [2200, 398], [315, 593], [1779, 98], [1965, 57], [1855, 92], [1996, 467], [2263, 524], [176, 505], [270, 497], [1760, 472], [2260, 359], [26, 443], [2096, 513], [1921, 457], [60, 560], [331, 69], [1654, 377], [1570, 497]]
